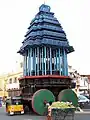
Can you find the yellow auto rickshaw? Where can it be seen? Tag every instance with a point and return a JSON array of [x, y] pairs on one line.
[[14, 105]]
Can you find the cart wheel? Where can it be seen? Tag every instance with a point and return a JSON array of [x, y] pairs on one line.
[[68, 95], [39, 100]]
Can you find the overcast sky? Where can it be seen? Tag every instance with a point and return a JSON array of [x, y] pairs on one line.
[[15, 17]]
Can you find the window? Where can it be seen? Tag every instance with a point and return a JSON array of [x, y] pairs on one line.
[[16, 102], [10, 81], [15, 80]]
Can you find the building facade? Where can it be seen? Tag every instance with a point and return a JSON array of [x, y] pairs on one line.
[[3, 83], [12, 80], [86, 83], [80, 82], [13, 84], [9, 84]]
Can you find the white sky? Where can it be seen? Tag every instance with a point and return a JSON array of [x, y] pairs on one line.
[[16, 15]]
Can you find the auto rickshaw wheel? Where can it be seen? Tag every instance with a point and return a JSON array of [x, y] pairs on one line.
[[10, 114]]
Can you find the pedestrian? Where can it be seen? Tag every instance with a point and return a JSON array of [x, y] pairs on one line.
[[49, 110]]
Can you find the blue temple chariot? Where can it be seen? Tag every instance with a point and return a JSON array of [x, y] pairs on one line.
[[45, 70], [45, 46]]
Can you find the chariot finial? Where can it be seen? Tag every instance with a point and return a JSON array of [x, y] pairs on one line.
[[44, 2]]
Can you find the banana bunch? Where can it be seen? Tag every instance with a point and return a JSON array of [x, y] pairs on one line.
[[61, 105]]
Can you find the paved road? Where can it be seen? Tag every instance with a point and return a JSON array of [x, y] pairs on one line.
[[83, 116], [87, 106], [3, 116]]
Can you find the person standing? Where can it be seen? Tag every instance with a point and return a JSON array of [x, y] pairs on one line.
[[49, 111]]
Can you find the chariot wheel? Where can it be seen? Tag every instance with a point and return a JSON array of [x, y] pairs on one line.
[[39, 100], [68, 95]]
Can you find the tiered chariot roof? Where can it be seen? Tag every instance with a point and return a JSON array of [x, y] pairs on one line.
[[45, 29]]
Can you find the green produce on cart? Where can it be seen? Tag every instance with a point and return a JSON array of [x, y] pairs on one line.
[[62, 105]]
